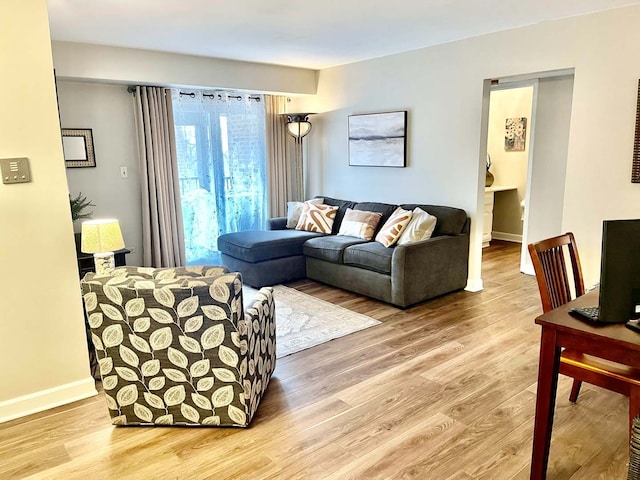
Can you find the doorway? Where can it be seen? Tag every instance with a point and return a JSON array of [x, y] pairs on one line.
[[534, 179], [508, 148]]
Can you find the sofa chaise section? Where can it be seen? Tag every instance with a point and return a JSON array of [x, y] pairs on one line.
[[265, 257]]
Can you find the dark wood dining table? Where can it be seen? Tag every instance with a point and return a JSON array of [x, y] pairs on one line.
[[560, 330]]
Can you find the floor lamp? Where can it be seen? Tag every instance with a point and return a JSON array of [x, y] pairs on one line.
[[102, 237], [299, 126]]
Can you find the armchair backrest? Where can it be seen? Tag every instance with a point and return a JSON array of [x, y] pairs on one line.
[[178, 349]]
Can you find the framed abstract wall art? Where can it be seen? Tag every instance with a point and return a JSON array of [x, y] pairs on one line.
[[378, 139]]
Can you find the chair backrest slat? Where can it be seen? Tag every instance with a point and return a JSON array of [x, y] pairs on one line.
[[550, 265]]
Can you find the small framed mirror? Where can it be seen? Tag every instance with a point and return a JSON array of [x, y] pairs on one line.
[[77, 145]]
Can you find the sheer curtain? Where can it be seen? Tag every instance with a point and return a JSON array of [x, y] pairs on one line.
[[162, 231], [220, 141], [284, 183]]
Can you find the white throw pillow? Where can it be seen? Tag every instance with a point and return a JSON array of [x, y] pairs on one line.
[[420, 227], [294, 210]]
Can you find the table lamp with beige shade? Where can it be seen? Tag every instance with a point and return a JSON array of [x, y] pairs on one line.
[[102, 238]]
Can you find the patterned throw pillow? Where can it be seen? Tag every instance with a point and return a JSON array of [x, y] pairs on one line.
[[294, 210], [420, 227], [359, 223], [392, 228], [317, 218]]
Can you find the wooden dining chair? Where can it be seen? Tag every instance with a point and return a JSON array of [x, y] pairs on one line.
[[550, 258]]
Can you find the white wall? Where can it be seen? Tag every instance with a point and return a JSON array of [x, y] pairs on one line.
[[442, 88], [43, 349], [509, 167], [108, 111], [104, 64]]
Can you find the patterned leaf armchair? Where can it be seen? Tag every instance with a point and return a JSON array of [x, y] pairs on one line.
[[176, 347]]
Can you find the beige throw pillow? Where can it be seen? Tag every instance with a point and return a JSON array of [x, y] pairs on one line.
[[359, 223], [294, 210], [420, 227], [316, 218], [392, 228]]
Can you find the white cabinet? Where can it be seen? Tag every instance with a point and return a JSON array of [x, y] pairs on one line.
[[488, 218], [488, 211]]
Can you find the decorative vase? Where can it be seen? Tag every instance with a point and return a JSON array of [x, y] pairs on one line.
[[488, 181]]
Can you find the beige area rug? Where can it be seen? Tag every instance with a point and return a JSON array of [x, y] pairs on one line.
[[303, 321]]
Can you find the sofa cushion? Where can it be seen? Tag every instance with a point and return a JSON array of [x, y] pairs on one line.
[[342, 209], [359, 223], [393, 228], [329, 248], [451, 220], [420, 227], [371, 255], [317, 218], [259, 245]]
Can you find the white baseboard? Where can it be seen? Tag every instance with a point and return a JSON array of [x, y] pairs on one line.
[[46, 399], [474, 285], [507, 237], [528, 269]]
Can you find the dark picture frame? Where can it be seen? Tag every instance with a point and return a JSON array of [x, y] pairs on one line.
[[635, 166], [378, 139], [77, 145]]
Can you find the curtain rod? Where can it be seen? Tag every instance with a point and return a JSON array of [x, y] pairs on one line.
[[213, 96]]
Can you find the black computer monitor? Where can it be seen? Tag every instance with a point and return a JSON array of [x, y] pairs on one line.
[[620, 271]]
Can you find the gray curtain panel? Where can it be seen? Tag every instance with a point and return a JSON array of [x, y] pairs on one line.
[[284, 184], [162, 230]]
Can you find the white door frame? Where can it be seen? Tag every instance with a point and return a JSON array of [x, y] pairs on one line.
[[505, 83]]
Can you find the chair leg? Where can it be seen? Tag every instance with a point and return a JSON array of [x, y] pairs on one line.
[[575, 390]]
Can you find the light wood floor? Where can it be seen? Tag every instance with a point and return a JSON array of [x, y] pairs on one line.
[[442, 390]]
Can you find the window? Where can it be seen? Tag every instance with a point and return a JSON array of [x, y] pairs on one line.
[[220, 142]]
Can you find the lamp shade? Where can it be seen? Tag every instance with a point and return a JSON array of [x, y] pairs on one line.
[[298, 124], [101, 236]]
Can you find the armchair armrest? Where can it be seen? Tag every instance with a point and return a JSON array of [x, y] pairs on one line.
[[278, 223], [260, 322], [429, 268]]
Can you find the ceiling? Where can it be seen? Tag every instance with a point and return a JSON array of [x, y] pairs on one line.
[[312, 35]]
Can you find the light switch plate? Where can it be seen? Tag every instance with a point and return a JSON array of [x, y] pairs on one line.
[[15, 170]]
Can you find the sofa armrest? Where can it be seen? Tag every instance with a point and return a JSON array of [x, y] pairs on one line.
[[260, 321], [429, 268], [277, 223]]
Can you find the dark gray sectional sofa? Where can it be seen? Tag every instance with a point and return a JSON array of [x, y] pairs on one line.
[[402, 275]]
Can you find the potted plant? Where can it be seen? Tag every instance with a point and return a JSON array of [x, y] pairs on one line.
[[79, 205]]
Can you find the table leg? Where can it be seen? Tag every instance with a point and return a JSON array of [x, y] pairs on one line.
[[545, 402]]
